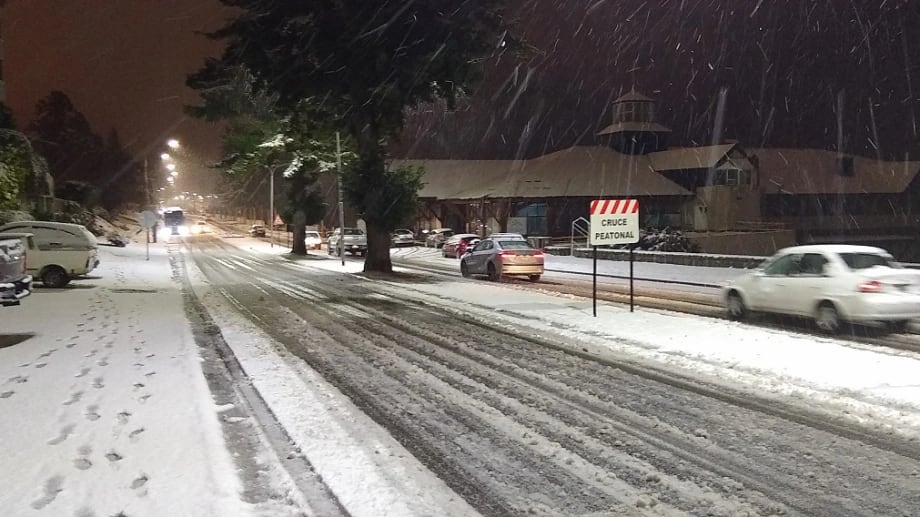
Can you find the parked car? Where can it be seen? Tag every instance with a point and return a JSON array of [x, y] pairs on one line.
[[436, 237], [59, 252], [257, 230], [403, 237], [499, 257], [354, 241], [455, 245], [313, 240], [831, 284], [15, 282]]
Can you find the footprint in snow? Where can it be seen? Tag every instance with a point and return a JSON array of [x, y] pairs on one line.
[[138, 385], [74, 398], [139, 483], [150, 374], [98, 383], [92, 413], [82, 463], [91, 353], [123, 417], [113, 456], [103, 362], [83, 372], [48, 353], [143, 398], [135, 434], [6, 394], [25, 365], [70, 345], [53, 486], [41, 365], [65, 432], [19, 379]]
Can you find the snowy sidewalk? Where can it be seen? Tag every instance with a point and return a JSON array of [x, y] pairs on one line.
[[105, 409]]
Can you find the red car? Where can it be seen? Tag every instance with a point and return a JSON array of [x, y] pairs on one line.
[[456, 245]]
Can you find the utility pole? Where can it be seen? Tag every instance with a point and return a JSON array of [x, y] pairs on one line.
[[271, 205], [338, 162]]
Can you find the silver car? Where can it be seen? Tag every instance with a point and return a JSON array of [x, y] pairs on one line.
[[499, 256], [403, 237]]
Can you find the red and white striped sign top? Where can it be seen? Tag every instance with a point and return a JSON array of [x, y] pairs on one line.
[[614, 206]]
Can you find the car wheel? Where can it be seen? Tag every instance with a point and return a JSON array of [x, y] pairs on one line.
[[55, 277], [464, 269], [898, 326], [534, 278], [443, 252], [735, 307], [494, 274], [827, 318]]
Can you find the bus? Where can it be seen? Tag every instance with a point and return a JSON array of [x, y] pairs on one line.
[[174, 219]]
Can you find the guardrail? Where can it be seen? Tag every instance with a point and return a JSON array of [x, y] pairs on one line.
[[636, 279]]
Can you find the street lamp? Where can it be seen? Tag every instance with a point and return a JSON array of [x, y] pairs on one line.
[[165, 157], [172, 143], [171, 166]]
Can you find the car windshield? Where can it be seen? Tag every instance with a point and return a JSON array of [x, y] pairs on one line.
[[857, 261], [312, 234], [353, 231]]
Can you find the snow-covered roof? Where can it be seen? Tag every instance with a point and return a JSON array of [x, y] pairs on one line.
[[579, 171], [684, 158], [816, 171]]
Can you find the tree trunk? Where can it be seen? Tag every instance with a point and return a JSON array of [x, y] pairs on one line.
[[378, 249], [299, 247], [371, 167]]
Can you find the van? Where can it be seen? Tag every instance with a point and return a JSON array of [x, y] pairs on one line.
[[59, 252]]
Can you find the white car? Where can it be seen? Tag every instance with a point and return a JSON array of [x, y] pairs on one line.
[[59, 252], [831, 284], [313, 240]]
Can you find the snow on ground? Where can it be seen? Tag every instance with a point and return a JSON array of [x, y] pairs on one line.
[[368, 470], [863, 382], [105, 409]]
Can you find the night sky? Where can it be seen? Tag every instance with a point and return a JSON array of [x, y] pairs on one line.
[[122, 62], [783, 64]]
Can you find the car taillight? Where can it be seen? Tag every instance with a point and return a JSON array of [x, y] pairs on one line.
[[538, 254], [870, 286], [507, 253]]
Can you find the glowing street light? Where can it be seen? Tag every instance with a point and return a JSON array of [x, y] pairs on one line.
[[173, 174], [165, 156], [171, 166], [173, 143]]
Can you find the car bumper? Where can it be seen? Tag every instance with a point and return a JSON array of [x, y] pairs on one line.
[[884, 307], [522, 270], [12, 292]]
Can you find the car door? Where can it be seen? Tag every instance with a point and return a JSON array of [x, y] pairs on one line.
[[476, 262], [771, 286], [806, 284]]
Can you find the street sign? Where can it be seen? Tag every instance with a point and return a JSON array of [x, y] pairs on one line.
[[614, 221], [147, 219]]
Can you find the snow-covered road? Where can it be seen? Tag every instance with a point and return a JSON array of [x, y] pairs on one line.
[[519, 413]]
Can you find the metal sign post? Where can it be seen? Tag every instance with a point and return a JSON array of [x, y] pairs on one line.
[[338, 161], [631, 256], [147, 220], [594, 291], [614, 222]]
